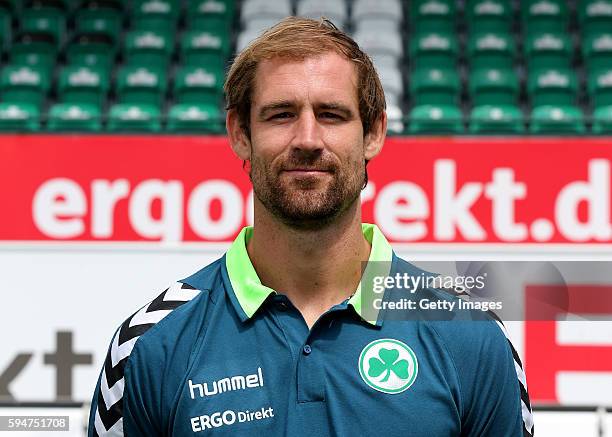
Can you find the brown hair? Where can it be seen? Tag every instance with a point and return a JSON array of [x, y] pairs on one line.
[[299, 38]]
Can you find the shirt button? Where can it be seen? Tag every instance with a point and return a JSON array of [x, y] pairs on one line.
[[281, 306], [307, 349]]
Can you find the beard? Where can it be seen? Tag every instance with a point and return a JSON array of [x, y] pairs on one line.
[[308, 202]]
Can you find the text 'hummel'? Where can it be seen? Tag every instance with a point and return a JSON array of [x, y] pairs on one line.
[[238, 382]]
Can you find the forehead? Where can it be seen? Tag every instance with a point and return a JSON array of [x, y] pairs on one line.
[[327, 77]]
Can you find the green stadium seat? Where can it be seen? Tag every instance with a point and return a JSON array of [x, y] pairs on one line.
[[599, 86], [557, 119], [433, 15], [602, 120], [548, 50], [435, 119], [541, 16], [493, 87], [134, 117], [36, 50], [187, 117], [24, 83], [198, 85], [595, 16], [47, 21], [434, 50], [92, 50], [158, 15], [597, 51], [74, 117], [83, 84], [103, 21], [552, 87], [212, 15], [141, 85], [489, 16], [19, 116], [435, 87], [205, 48], [501, 119], [491, 50], [148, 47]]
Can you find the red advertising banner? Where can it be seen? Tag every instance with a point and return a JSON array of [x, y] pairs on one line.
[[431, 190]]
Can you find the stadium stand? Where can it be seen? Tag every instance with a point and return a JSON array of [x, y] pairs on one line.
[[447, 66]]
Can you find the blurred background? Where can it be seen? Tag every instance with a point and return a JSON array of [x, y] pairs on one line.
[[116, 178]]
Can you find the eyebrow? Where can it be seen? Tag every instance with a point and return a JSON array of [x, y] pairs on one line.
[[287, 104]]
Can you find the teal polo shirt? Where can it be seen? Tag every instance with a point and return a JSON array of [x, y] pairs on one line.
[[219, 353]]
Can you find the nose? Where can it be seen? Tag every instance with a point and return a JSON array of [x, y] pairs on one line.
[[308, 135]]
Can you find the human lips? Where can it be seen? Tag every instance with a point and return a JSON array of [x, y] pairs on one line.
[[306, 171]]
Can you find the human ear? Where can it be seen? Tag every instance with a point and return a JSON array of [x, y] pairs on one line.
[[375, 139], [241, 144]]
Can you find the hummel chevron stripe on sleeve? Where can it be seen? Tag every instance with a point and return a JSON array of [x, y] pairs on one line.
[[528, 428], [106, 415]]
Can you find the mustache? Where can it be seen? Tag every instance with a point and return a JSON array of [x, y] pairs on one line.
[[309, 160]]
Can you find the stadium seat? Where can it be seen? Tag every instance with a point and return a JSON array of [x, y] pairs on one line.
[[435, 87], [383, 44], [245, 37], [382, 14], [489, 16], [156, 15], [37, 50], [436, 119], [25, 84], [395, 117], [548, 50], [19, 116], [258, 9], [491, 50], [141, 85], [392, 82], [191, 117], [496, 119], [134, 117], [148, 47], [597, 51], [83, 84], [104, 21], [557, 119], [599, 86], [434, 50], [494, 87], [93, 50], [205, 48], [334, 10], [47, 21], [198, 85], [595, 16], [602, 120], [212, 15], [544, 16], [74, 117], [552, 87], [432, 16]]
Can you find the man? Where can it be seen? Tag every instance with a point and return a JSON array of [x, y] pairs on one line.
[[275, 338]]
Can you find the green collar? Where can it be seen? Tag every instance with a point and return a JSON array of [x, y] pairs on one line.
[[250, 293]]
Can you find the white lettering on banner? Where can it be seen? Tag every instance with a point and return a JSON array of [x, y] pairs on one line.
[[400, 201], [58, 208], [169, 227], [596, 194], [104, 197], [452, 208], [402, 209], [198, 209], [250, 209], [503, 191]]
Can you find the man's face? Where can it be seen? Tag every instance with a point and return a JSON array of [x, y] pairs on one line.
[[307, 142]]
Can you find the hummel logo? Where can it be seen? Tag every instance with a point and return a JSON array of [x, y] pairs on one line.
[[238, 382]]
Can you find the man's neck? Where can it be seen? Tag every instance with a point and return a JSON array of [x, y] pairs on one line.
[[316, 269]]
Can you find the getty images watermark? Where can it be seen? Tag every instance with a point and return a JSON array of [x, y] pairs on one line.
[[467, 290]]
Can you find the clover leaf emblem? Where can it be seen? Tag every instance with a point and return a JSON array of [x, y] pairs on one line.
[[387, 361]]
